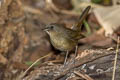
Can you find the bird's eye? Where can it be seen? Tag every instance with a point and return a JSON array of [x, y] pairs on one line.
[[51, 27]]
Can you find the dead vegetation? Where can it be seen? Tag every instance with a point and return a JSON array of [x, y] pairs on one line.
[[22, 40]]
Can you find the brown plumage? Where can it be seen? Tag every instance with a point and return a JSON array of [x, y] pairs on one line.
[[63, 38]]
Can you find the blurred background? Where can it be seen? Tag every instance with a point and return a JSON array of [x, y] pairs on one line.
[[22, 40]]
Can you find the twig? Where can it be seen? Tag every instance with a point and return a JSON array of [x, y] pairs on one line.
[[87, 27], [85, 76], [26, 8], [32, 10], [54, 61], [115, 62], [52, 6], [84, 60], [24, 73]]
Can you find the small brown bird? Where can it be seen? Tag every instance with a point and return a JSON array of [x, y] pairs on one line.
[[65, 39]]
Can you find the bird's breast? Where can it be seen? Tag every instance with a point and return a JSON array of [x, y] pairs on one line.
[[62, 43]]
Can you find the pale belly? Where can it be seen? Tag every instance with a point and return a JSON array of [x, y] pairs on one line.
[[63, 44]]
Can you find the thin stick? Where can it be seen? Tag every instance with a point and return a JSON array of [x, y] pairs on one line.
[[84, 60], [24, 73], [115, 62], [85, 76], [87, 27], [26, 8]]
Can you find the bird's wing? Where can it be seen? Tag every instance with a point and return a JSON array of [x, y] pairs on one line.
[[71, 34]]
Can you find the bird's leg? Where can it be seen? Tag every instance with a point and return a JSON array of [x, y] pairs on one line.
[[66, 57], [76, 50]]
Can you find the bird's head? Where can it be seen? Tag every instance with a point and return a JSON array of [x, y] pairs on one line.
[[54, 28]]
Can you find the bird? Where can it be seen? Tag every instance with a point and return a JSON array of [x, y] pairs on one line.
[[66, 39]]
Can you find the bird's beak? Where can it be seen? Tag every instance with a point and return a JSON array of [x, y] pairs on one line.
[[46, 30]]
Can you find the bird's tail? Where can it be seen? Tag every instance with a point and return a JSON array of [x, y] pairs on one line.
[[82, 18]]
